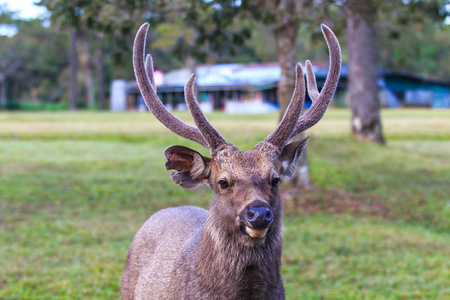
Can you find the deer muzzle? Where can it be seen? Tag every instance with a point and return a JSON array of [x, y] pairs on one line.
[[256, 219]]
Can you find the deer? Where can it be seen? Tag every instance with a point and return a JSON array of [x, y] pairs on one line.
[[232, 251]]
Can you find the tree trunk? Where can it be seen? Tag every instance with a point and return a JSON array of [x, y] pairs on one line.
[[73, 64], [101, 79], [191, 64], [300, 177], [88, 66], [286, 37], [90, 87], [33, 93], [8, 68], [2, 91], [362, 70]]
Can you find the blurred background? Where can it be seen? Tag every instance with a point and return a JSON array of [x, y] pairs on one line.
[[81, 165]]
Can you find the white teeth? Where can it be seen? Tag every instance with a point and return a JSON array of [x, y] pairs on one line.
[[256, 233]]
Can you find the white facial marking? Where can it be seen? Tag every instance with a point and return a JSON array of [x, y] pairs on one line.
[[256, 233]]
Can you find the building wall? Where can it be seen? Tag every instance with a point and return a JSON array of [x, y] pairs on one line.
[[395, 91]]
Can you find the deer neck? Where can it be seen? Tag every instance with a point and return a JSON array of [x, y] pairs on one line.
[[236, 269]]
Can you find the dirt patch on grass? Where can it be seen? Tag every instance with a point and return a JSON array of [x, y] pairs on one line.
[[16, 167], [316, 200], [3, 283]]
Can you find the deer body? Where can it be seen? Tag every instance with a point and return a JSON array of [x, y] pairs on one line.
[[188, 268], [183, 252], [232, 251]]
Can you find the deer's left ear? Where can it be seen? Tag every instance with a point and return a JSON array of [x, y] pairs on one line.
[[287, 161], [192, 169]]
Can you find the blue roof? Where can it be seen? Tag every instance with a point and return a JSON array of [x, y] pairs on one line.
[[252, 74]]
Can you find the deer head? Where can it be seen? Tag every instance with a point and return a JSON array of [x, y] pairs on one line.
[[246, 202]]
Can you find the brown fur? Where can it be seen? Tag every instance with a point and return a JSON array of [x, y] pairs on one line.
[[189, 253]]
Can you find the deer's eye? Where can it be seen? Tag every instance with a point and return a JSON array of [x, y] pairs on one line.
[[223, 184], [276, 181]]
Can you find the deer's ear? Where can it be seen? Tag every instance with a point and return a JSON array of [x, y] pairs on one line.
[[192, 169], [287, 161]]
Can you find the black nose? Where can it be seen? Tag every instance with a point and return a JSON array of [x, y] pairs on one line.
[[259, 217]]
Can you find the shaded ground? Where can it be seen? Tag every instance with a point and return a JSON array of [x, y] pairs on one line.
[[339, 202]]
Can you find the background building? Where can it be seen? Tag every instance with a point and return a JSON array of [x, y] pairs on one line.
[[252, 88]]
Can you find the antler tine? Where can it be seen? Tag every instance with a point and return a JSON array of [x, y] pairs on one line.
[[150, 71], [144, 76], [212, 136], [313, 92], [321, 100], [281, 135]]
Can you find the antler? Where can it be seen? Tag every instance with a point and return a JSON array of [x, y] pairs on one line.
[[291, 125], [321, 100], [206, 135], [212, 136], [145, 79], [281, 135]]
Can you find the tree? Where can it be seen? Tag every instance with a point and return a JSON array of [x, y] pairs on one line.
[[362, 70], [64, 15], [362, 18], [9, 64], [9, 61], [44, 60], [32, 61], [98, 28], [73, 66], [418, 23], [284, 17]]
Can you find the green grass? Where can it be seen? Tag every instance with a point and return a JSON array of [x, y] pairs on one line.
[[75, 188]]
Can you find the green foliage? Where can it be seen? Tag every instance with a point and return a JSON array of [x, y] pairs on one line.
[[429, 56], [75, 188], [34, 62], [418, 23], [43, 106], [12, 105], [109, 24], [6, 16]]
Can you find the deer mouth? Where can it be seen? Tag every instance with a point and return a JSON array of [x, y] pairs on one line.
[[256, 232], [253, 232]]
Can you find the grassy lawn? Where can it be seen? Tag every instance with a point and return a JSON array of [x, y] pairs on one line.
[[75, 188]]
